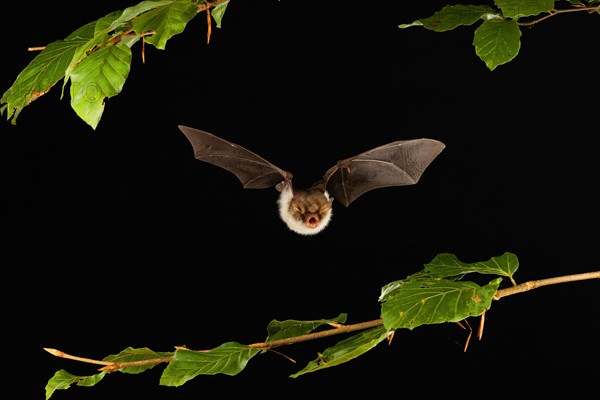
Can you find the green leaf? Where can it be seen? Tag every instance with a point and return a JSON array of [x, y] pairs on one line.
[[218, 12], [450, 17], [229, 359], [420, 302], [131, 12], [81, 52], [63, 380], [47, 68], [524, 8], [141, 354], [96, 78], [83, 33], [346, 350], [104, 24], [447, 265], [166, 21], [291, 328], [497, 42]]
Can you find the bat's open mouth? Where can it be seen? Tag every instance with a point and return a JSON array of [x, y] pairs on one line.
[[312, 221]]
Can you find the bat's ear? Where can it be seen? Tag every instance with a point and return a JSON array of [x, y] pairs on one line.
[[281, 185], [287, 182]]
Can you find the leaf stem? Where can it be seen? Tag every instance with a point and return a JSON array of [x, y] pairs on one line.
[[208, 4]]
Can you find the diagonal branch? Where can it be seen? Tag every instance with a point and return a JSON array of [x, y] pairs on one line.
[[336, 330]]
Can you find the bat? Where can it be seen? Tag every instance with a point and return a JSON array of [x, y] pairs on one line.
[[307, 211]]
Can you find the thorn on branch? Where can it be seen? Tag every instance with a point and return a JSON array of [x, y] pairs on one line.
[[390, 337], [110, 368], [209, 26], [469, 336], [143, 50], [481, 322]]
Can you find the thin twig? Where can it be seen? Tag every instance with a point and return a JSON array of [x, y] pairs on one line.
[[554, 12], [109, 366], [62, 354], [524, 287]]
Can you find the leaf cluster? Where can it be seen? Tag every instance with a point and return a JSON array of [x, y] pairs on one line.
[[497, 38], [96, 58]]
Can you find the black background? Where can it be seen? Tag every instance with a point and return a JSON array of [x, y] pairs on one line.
[[118, 237]]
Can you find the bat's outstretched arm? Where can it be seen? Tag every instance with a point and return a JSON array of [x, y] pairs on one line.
[[394, 164], [253, 171]]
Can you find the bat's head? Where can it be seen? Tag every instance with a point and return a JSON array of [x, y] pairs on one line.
[[306, 212]]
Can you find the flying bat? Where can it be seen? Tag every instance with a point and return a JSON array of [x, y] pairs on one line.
[[308, 211]]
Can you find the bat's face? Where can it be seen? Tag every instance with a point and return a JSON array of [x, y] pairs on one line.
[[306, 212]]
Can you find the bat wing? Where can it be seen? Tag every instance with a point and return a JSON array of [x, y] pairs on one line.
[[394, 164], [252, 170]]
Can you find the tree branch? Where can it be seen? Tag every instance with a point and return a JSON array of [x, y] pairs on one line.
[[337, 329]]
